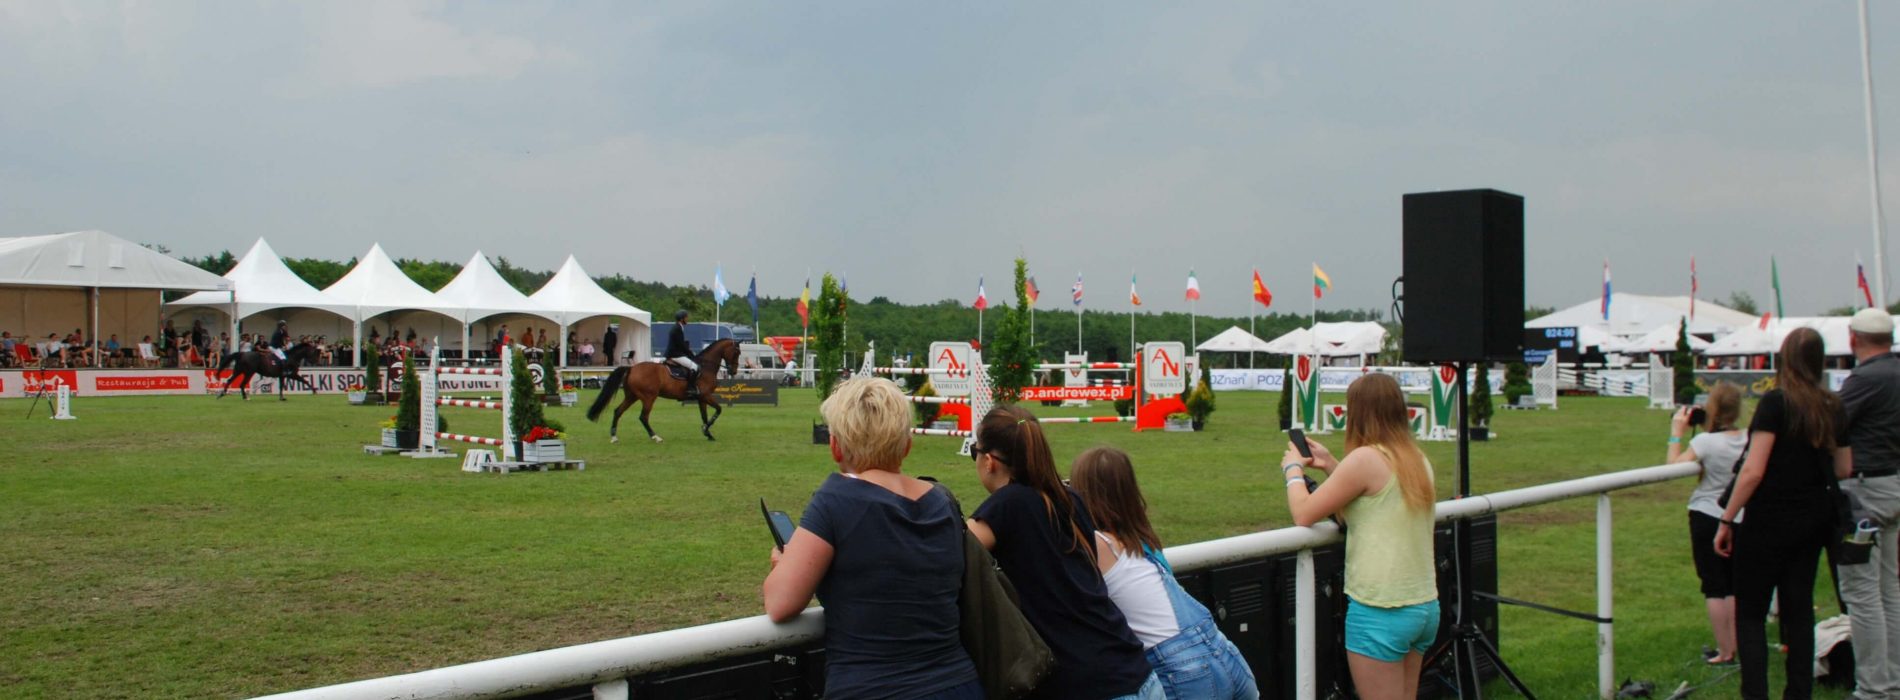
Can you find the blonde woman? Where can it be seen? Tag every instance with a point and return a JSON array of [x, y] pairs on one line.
[[884, 553], [1716, 451], [1384, 489]]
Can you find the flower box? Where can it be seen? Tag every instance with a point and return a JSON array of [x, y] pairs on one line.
[[570, 398], [544, 450], [389, 438], [1179, 425], [358, 398], [943, 425]]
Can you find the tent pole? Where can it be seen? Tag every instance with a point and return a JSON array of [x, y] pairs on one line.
[[465, 354], [563, 363], [356, 342], [98, 348]]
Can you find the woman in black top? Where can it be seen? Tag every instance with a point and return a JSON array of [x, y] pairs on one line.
[[1044, 540], [1799, 432]]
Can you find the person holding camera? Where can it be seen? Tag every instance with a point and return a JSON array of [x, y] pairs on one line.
[[1871, 398], [1716, 451], [1798, 433], [1044, 540], [884, 553], [1384, 488]]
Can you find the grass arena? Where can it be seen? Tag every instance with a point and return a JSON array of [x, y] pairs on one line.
[[186, 547]]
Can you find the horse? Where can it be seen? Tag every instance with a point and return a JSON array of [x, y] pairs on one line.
[[251, 363], [648, 381]]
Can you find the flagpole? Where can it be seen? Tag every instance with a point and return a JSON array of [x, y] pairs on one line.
[[1251, 315], [1194, 335], [1873, 163]]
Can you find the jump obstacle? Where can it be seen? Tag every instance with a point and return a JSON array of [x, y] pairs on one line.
[[431, 399]]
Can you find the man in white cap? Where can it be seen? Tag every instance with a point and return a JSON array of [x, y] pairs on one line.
[[1872, 590]]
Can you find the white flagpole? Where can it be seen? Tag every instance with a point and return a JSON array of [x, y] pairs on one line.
[[1194, 334], [1879, 282], [1251, 315]]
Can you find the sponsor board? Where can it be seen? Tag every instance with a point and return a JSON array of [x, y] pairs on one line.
[[33, 382], [956, 358], [758, 392], [1161, 372], [120, 383], [1078, 393]]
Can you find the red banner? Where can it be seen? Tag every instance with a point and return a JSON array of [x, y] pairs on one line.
[[1078, 393], [115, 382], [49, 380]]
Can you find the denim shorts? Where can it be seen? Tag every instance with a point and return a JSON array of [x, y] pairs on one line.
[[1388, 634]]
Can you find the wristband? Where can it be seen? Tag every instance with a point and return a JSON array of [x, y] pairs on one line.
[[1729, 523], [1291, 466], [1301, 481], [1675, 439]]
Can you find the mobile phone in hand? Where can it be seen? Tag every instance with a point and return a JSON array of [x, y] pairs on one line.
[[1298, 437], [780, 524]]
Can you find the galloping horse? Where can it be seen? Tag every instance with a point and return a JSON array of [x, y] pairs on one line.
[[648, 381], [251, 363]]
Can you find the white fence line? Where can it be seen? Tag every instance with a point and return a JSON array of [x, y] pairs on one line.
[[608, 664]]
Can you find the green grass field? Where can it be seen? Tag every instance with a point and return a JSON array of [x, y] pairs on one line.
[[186, 547]]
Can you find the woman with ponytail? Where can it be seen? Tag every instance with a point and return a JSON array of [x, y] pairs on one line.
[[1798, 433], [1044, 540], [1384, 489]]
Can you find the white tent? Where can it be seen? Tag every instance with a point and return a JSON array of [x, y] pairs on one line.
[[573, 296], [1661, 340], [1755, 341], [1751, 340], [376, 286], [1233, 340], [480, 292], [1341, 339], [46, 282], [1635, 315], [262, 282]]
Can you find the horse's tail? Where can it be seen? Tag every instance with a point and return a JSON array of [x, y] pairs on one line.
[[229, 359], [607, 389]]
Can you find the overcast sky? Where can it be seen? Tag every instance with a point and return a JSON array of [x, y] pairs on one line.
[[914, 146]]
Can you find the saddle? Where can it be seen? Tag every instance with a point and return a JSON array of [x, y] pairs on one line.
[[673, 370]]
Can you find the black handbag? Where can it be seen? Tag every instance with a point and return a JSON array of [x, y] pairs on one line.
[[1011, 658], [1846, 512]]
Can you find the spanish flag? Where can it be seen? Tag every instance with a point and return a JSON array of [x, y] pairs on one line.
[[1260, 292], [804, 303], [1321, 282]]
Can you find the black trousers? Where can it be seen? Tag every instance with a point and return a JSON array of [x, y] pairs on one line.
[[1778, 548]]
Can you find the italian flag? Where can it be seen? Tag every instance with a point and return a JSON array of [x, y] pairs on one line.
[[1194, 287], [1133, 296]]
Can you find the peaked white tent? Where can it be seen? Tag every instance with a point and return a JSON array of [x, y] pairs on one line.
[[375, 287], [47, 281], [1233, 340], [480, 292], [1635, 315], [573, 297], [1661, 340], [1341, 339], [262, 282]]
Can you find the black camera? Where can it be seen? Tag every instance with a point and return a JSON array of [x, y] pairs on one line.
[[1698, 416]]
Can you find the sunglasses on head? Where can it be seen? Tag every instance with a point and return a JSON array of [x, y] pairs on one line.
[[977, 452]]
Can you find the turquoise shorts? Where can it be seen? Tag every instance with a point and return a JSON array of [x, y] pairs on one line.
[[1388, 634]]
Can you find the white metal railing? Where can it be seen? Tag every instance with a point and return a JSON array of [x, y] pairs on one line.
[[607, 665]]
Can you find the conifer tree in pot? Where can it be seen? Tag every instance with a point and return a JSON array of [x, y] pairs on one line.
[[1286, 399], [1480, 403]]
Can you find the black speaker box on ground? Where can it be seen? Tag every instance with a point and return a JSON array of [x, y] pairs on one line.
[[1440, 680], [1464, 276]]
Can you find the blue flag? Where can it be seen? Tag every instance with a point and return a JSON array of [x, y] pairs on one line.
[[720, 295], [752, 297]]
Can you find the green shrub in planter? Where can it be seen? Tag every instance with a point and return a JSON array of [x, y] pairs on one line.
[[1517, 382], [1480, 398], [927, 412]]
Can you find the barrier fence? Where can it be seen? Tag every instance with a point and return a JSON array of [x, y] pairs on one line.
[[607, 665]]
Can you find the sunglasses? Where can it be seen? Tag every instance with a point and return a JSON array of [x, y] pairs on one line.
[[977, 452]]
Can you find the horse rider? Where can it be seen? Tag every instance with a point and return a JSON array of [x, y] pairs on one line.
[[680, 354], [279, 339]]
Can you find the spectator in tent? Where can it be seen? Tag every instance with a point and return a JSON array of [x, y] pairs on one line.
[[7, 345], [610, 344]]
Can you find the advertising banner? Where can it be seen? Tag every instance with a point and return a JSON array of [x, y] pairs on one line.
[[757, 392], [1161, 370], [1078, 393], [1306, 393], [956, 359]]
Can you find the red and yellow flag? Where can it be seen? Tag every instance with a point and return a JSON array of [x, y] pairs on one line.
[[1260, 292]]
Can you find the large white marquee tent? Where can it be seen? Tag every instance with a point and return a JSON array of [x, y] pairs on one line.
[[48, 281], [1341, 339], [577, 300]]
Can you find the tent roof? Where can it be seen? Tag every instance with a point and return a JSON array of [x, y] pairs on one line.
[[1755, 341], [1661, 340], [1331, 339], [574, 296], [264, 283], [1233, 340], [479, 292], [1634, 315], [97, 259], [376, 286]]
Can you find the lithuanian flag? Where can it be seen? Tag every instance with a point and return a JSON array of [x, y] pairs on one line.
[[1321, 282]]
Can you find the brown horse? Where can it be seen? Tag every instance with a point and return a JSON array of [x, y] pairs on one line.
[[648, 381]]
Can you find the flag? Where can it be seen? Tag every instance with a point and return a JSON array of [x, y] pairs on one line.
[[1029, 290], [1861, 273], [982, 300], [752, 297], [1774, 277], [1764, 320], [1194, 287], [1693, 288], [804, 303], [1606, 289], [1133, 296], [1076, 291], [1321, 283], [720, 294], [1260, 292]]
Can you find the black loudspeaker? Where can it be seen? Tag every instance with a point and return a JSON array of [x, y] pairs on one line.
[[1464, 276], [1481, 566]]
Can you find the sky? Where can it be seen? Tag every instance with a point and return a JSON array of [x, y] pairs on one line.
[[914, 147]]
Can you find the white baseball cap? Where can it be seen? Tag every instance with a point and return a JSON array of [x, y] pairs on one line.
[[1872, 321]]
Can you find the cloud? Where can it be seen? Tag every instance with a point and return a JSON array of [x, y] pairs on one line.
[[389, 44]]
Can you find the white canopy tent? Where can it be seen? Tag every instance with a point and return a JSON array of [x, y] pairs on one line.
[[261, 282], [34, 270], [479, 292], [1754, 340], [1341, 339], [1636, 315], [572, 296], [1661, 340], [1233, 340], [376, 286]]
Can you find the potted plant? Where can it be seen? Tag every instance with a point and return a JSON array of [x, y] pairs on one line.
[[1517, 383], [358, 393], [570, 394], [390, 438], [1200, 400], [1480, 400], [1286, 399], [409, 410], [544, 444], [551, 387], [926, 412], [1179, 422]]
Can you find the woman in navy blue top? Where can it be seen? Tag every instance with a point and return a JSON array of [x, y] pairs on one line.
[[884, 554], [1043, 538]]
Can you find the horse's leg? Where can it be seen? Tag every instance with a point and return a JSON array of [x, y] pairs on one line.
[[646, 409], [705, 426], [244, 389], [613, 433]]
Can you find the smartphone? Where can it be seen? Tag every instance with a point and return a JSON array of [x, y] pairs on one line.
[[1298, 437], [779, 523]]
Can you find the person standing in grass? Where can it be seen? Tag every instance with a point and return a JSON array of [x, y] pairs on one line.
[[1871, 398], [1716, 451], [884, 553], [1384, 489], [1190, 655], [1797, 434]]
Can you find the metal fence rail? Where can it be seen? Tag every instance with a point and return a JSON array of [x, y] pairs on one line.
[[606, 665]]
